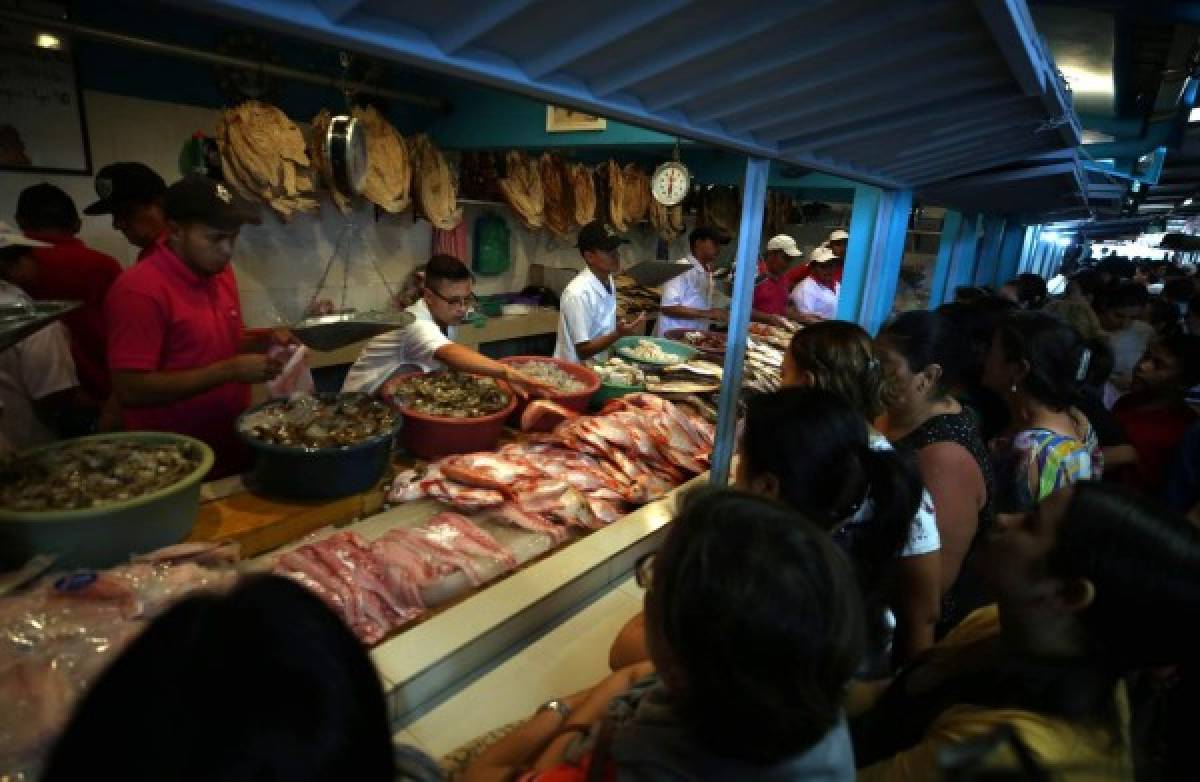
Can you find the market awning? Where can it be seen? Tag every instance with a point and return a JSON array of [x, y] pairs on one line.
[[897, 93], [1048, 185]]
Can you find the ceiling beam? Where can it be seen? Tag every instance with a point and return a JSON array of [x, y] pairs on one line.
[[337, 10], [865, 108], [841, 29], [759, 17], [592, 38], [487, 17]]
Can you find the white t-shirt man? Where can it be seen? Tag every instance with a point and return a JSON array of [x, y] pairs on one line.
[[410, 348], [587, 309], [814, 298], [31, 370], [693, 289]]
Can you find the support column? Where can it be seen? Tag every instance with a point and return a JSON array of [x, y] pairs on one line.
[[1027, 249], [1010, 254], [873, 265], [952, 227], [754, 196], [989, 254], [965, 258]]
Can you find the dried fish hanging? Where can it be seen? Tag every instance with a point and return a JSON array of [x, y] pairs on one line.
[[264, 157]]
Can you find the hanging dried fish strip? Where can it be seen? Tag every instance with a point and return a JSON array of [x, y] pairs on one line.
[[667, 220], [522, 189], [559, 210], [583, 188], [433, 184], [389, 167], [264, 157], [637, 193], [616, 198]]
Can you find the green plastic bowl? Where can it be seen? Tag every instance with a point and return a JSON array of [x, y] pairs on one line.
[[678, 350], [109, 535], [609, 391]]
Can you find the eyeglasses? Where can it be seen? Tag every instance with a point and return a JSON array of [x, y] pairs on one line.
[[643, 570], [466, 302]]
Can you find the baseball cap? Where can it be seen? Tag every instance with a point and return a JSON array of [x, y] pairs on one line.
[[839, 236], [822, 255], [598, 236], [11, 237], [196, 198], [118, 184], [46, 205], [785, 243], [708, 232]]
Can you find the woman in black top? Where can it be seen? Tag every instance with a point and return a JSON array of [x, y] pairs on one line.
[[921, 353]]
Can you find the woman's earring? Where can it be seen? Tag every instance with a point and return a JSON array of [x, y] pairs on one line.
[[1014, 388]]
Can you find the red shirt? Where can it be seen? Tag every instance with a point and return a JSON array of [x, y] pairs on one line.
[[1155, 433], [162, 316], [771, 295], [72, 270]]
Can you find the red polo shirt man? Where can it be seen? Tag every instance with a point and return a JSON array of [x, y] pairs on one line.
[[175, 333], [771, 288], [133, 194], [70, 270]]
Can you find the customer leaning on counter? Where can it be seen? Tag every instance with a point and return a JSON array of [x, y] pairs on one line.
[[587, 321], [179, 358], [428, 345]]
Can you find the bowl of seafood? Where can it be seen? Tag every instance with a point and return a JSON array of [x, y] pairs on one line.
[[653, 351], [618, 377], [319, 446], [573, 383], [98, 500], [711, 343], [449, 412]]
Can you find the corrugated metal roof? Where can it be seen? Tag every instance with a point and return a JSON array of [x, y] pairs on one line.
[[898, 93]]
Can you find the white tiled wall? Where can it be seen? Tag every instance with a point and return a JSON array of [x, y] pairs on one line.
[[279, 265]]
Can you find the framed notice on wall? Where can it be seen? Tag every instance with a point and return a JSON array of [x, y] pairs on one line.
[[42, 124]]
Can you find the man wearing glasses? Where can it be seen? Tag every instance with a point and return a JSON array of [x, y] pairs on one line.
[[428, 344], [587, 321]]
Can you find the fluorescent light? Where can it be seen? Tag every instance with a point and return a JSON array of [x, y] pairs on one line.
[[48, 41], [1062, 241], [1187, 202], [1194, 116], [1083, 80]]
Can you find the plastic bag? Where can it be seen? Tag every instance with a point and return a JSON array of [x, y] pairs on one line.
[[295, 376]]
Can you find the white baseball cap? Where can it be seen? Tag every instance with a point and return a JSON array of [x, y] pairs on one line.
[[822, 255], [11, 237], [785, 243], [839, 236]]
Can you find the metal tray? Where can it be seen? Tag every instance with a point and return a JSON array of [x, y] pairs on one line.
[[18, 321], [651, 274], [333, 332]]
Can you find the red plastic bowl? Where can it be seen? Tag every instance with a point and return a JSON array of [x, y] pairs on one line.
[[431, 437], [577, 400]]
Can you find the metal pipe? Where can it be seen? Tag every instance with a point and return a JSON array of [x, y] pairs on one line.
[[754, 193], [212, 58]]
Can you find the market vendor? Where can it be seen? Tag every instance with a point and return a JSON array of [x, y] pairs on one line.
[[69, 270], [428, 345], [587, 320], [179, 358], [133, 194], [817, 295], [771, 287], [687, 298], [37, 375]]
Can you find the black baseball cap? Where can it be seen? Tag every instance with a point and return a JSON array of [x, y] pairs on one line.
[[598, 236], [708, 232], [196, 198], [119, 184], [45, 206]]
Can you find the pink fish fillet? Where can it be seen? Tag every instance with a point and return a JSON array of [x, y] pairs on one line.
[[371, 617], [445, 557], [527, 520], [462, 533], [542, 415]]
